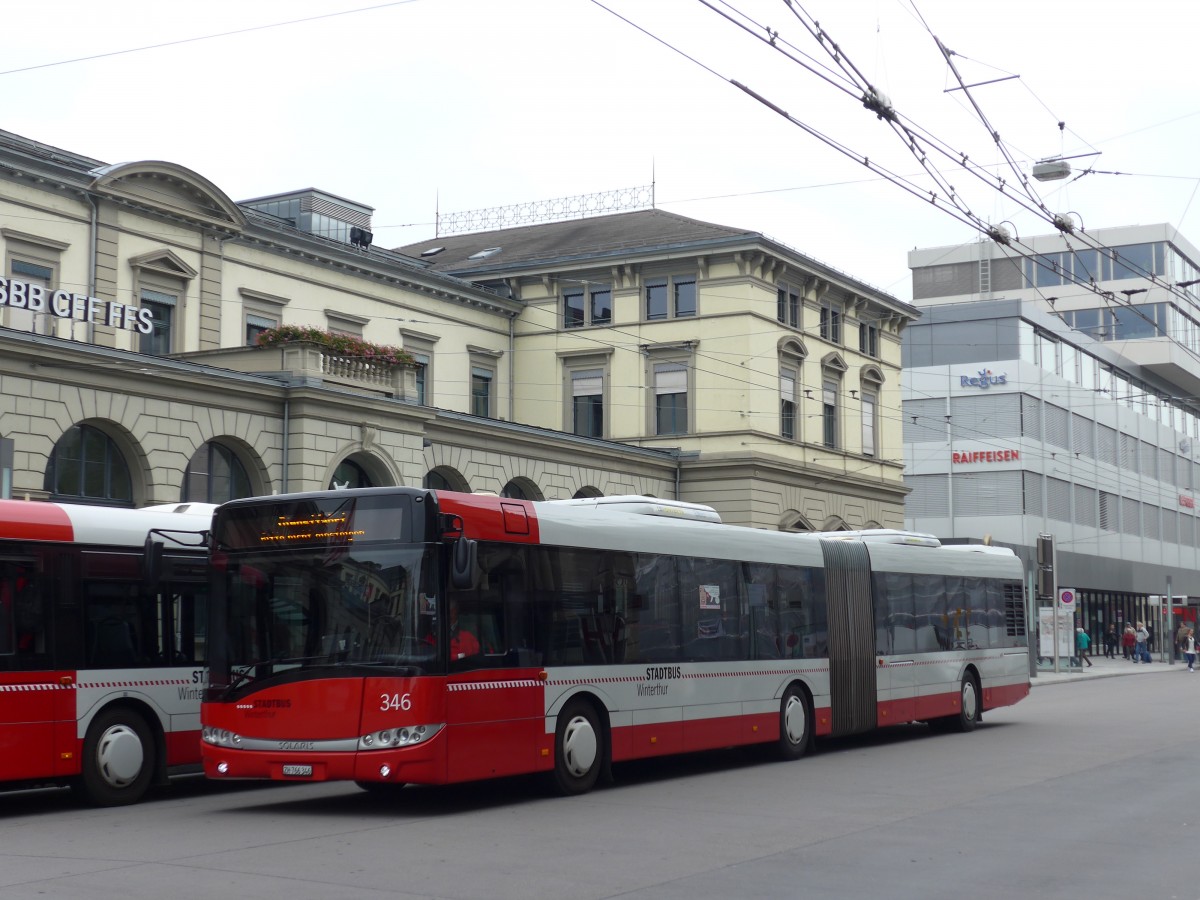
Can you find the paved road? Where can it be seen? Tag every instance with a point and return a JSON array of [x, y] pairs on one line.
[[1086, 789]]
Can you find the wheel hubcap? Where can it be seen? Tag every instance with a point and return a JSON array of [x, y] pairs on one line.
[[120, 756], [970, 703], [793, 719], [579, 746]]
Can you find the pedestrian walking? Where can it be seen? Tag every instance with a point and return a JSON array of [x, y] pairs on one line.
[[1188, 646], [1111, 639], [1083, 643], [1128, 643], [1141, 652]]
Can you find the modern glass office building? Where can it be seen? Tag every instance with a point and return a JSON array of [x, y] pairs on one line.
[[1055, 392]]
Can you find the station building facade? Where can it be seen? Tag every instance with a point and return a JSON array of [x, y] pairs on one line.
[[130, 374]]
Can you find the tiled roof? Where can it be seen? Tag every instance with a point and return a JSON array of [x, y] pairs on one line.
[[620, 234]]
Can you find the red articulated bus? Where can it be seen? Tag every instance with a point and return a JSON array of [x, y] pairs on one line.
[[101, 665], [396, 635]]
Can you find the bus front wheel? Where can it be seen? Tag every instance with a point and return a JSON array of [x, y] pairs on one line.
[[795, 724], [118, 759], [578, 749]]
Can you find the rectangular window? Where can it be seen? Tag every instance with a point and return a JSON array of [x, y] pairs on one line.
[[656, 301], [24, 319], [685, 298], [831, 321], [601, 305], [868, 423], [671, 298], [829, 413], [1133, 261], [162, 312], [587, 401], [573, 309], [787, 306], [670, 398], [422, 373], [481, 392], [787, 404], [868, 339], [256, 325]]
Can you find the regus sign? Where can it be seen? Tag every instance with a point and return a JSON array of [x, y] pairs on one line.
[[984, 380]]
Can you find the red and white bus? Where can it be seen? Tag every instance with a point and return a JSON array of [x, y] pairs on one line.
[[397, 635], [101, 668]]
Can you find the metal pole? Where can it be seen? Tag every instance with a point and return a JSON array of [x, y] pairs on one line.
[[1032, 622], [1170, 635]]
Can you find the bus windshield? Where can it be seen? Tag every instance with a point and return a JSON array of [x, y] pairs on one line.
[[298, 614]]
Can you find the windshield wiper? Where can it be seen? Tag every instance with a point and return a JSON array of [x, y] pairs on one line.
[[237, 679]]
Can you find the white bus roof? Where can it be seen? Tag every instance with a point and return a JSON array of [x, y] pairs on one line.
[[643, 506], [882, 536]]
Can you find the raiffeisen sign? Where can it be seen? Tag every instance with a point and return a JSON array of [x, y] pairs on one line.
[[985, 456], [80, 307]]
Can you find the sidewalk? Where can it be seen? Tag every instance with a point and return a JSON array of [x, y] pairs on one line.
[[1109, 668]]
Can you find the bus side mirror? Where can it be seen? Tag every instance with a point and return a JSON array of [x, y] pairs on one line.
[[152, 563], [462, 564]]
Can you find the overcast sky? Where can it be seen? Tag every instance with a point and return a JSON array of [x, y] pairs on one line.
[[465, 104]]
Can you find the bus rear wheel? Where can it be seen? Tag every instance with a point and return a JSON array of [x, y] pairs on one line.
[[118, 759], [795, 724], [969, 709], [578, 749]]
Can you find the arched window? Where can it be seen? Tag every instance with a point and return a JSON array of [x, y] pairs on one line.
[[349, 474], [521, 489], [794, 522], [86, 466], [586, 492], [213, 475], [436, 481], [446, 478]]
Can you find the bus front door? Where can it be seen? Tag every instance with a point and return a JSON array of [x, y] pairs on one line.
[[37, 699]]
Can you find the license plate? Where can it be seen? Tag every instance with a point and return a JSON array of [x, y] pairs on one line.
[[297, 771]]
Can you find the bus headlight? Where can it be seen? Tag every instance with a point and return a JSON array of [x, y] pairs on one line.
[[220, 737], [398, 737]]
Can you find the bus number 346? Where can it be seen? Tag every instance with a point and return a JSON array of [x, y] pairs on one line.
[[395, 701]]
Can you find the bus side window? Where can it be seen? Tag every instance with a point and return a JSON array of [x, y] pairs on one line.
[[24, 618], [189, 611], [660, 624], [8, 636], [497, 612], [114, 627]]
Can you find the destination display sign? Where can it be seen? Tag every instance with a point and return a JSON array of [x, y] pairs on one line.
[[331, 520]]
